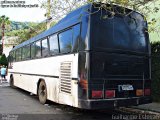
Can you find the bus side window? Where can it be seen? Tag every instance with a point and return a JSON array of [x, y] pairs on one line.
[[10, 60], [11, 57], [38, 49], [14, 56], [26, 52], [53, 44], [33, 50], [76, 37], [45, 51], [18, 54], [65, 41], [23, 49]]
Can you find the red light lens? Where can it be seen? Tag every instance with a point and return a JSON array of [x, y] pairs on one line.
[[110, 93], [147, 92], [97, 94]]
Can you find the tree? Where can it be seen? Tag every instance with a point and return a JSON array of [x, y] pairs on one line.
[[4, 21], [31, 30], [3, 60], [60, 8]]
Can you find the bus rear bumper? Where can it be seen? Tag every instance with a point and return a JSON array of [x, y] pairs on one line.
[[113, 103]]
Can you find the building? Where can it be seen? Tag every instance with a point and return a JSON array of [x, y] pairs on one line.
[[9, 43]]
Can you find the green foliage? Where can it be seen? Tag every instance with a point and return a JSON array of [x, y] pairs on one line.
[[27, 32], [155, 49], [4, 20], [3, 60], [4, 23], [59, 8], [21, 25], [149, 8]]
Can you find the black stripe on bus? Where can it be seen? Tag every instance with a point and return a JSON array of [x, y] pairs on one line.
[[40, 75], [35, 74], [74, 78]]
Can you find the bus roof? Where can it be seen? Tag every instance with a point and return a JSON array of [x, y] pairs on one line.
[[69, 20]]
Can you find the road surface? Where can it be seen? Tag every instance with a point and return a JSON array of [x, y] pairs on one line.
[[17, 104]]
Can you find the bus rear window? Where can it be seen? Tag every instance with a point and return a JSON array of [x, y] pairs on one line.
[[119, 32]]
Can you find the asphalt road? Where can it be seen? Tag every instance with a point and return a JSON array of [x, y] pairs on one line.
[[16, 104]]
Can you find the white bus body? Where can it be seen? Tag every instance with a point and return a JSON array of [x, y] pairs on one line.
[[27, 74]]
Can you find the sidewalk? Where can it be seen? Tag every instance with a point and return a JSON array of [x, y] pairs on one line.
[[153, 107], [4, 83]]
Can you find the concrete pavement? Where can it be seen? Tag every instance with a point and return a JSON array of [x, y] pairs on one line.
[[153, 107], [4, 83]]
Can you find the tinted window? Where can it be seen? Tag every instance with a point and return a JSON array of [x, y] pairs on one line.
[[119, 32], [11, 57], [45, 51], [14, 56], [38, 49], [65, 40], [23, 51], [18, 54], [26, 52], [53, 44], [76, 37], [33, 50]]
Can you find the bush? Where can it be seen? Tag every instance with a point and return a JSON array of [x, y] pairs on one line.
[[3, 60], [155, 50]]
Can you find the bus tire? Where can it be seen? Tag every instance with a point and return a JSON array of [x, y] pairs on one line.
[[42, 92], [11, 82]]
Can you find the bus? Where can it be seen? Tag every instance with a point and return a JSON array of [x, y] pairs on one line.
[[91, 59]]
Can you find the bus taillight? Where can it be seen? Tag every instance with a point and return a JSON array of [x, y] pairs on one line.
[[139, 92], [97, 94], [147, 92], [110, 93]]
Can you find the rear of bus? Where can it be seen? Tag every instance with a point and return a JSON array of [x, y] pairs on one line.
[[118, 60]]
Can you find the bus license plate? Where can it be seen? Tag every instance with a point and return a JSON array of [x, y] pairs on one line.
[[127, 87]]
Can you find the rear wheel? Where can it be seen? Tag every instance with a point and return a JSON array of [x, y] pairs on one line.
[[11, 82], [42, 92]]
